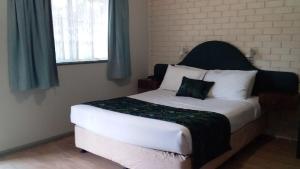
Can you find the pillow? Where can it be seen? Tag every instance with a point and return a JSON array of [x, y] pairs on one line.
[[174, 75], [190, 68], [231, 84], [194, 88]]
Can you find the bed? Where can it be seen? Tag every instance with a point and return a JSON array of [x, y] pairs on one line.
[[144, 143]]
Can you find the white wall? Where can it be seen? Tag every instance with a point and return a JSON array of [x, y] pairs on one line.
[[37, 115]]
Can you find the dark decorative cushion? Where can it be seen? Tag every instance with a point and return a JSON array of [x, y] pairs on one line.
[[194, 88]]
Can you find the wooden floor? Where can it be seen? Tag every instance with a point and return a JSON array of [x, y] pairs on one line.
[[264, 153]]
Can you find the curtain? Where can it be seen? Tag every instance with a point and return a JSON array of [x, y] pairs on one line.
[[31, 51], [118, 40], [80, 30]]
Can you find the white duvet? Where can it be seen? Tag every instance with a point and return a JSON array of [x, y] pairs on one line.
[[157, 134]]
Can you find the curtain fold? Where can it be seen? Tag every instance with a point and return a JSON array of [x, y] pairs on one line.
[[31, 50], [119, 66]]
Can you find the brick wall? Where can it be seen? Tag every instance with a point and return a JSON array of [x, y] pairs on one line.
[[272, 27]]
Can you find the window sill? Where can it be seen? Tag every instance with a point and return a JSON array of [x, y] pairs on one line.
[[80, 63]]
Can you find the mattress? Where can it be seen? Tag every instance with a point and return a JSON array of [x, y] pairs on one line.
[[157, 134]]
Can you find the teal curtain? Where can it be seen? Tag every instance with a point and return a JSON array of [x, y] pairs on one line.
[[118, 40], [31, 50]]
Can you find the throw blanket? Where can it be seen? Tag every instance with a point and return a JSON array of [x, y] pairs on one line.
[[210, 131]]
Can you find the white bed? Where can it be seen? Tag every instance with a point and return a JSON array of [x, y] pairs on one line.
[[157, 134], [142, 143]]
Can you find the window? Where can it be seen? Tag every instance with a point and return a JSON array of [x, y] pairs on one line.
[[80, 30]]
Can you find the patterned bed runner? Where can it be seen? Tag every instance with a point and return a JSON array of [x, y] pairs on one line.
[[210, 131]]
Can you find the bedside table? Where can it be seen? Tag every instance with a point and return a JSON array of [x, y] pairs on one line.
[[278, 102], [298, 147], [147, 84]]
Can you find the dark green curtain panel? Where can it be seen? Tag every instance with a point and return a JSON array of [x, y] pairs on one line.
[[31, 49], [119, 66]]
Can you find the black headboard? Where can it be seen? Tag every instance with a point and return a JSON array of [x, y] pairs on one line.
[[224, 56]]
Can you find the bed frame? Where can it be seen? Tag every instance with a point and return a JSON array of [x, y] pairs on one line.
[[209, 55]]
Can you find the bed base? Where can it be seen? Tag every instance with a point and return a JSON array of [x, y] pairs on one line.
[[135, 157]]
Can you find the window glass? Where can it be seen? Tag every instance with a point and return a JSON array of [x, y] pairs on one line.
[[80, 30]]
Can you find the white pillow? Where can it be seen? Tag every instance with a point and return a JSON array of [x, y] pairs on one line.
[[174, 75], [193, 68], [231, 84]]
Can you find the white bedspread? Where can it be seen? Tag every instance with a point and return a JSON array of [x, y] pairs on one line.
[[157, 134]]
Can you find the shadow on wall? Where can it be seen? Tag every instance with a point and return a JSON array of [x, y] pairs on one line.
[[122, 83], [38, 94]]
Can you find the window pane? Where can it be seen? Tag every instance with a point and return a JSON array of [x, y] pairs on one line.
[[80, 30]]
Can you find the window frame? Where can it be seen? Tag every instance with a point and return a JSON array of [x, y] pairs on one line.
[[81, 62]]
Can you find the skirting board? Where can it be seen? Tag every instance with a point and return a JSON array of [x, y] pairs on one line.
[[279, 136], [31, 145]]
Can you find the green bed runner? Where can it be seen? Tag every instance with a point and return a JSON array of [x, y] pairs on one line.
[[210, 131]]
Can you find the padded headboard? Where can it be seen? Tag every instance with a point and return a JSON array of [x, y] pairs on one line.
[[224, 56]]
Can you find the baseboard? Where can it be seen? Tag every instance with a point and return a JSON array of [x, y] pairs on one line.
[[286, 138], [37, 143], [276, 135]]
